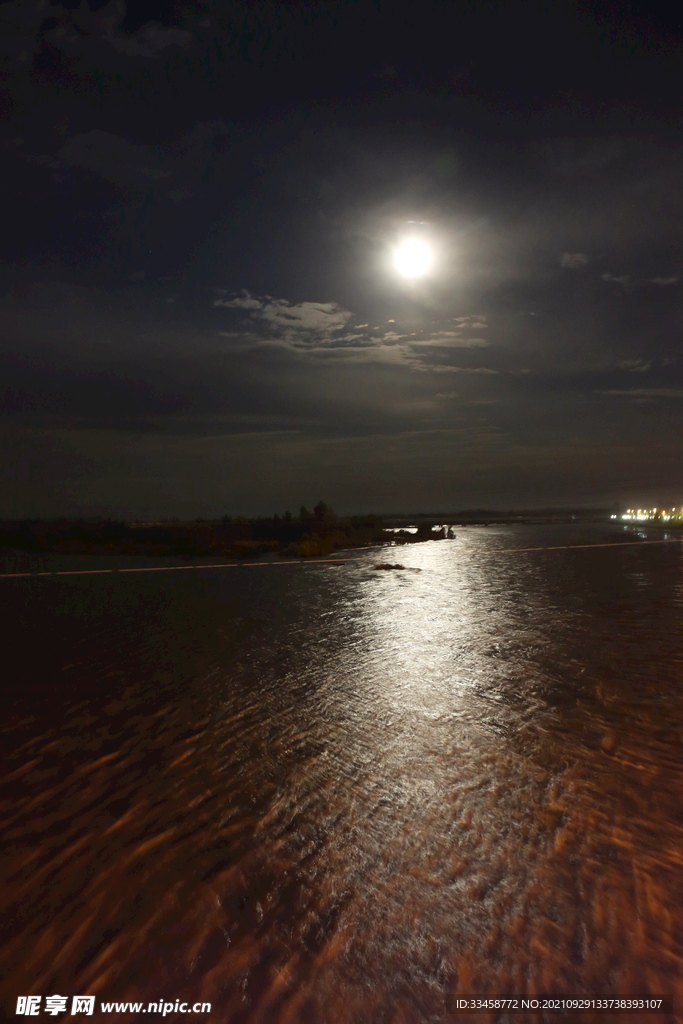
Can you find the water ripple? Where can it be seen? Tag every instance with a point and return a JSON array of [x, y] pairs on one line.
[[343, 795]]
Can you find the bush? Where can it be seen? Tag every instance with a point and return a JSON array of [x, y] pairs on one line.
[[314, 547]]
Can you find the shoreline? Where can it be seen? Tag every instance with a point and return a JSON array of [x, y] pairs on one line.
[[205, 540]]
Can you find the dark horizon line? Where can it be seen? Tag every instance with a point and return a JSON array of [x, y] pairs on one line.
[[388, 515]]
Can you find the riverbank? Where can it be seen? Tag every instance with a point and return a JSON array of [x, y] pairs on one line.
[[307, 537]]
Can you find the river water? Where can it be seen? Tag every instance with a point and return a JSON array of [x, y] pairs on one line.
[[326, 793]]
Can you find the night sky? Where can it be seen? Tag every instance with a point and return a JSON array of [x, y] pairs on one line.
[[200, 312]]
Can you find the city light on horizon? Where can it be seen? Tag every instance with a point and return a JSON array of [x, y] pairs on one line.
[[644, 515]]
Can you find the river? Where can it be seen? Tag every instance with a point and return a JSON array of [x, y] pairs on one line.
[[329, 794]]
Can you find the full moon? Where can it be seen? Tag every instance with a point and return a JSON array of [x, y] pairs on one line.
[[413, 258]]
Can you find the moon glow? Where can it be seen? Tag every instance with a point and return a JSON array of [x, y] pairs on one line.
[[413, 258]]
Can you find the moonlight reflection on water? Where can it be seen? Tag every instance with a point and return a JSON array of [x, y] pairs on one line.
[[348, 795]]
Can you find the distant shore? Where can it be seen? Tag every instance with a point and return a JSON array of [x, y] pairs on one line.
[[226, 539], [308, 535]]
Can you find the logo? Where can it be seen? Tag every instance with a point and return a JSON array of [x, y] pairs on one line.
[[29, 1006]]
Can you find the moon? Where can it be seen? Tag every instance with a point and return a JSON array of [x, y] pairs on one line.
[[413, 258]]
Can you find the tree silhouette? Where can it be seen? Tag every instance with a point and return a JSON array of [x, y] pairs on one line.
[[323, 513]]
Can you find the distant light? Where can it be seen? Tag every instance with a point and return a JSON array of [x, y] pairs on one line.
[[413, 258]]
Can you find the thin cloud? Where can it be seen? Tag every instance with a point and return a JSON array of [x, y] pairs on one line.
[[664, 281], [106, 24], [644, 392], [622, 279], [440, 368], [112, 157], [305, 321], [324, 330], [472, 323], [148, 41], [635, 365], [574, 260], [449, 339], [243, 301]]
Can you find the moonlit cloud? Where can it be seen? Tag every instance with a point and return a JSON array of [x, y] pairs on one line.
[[635, 365], [244, 301], [472, 323], [304, 322], [664, 281], [319, 330], [622, 279]]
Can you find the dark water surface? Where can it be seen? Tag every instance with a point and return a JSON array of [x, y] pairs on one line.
[[315, 793]]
